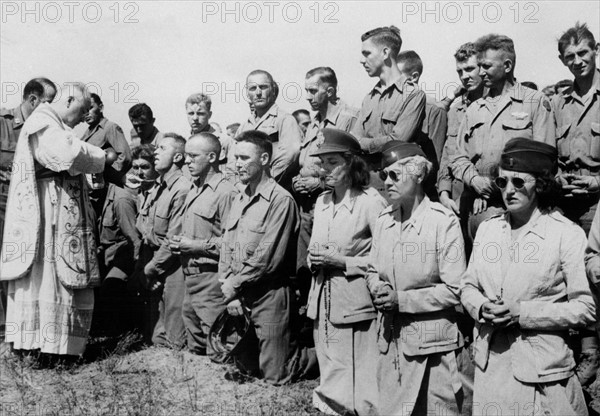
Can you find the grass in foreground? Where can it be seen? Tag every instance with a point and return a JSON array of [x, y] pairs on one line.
[[151, 381]]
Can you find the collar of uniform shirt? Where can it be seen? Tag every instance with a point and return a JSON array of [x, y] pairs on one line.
[[213, 182], [272, 111], [595, 83], [399, 85], [207, 129], [91, 130], [333, 112], [537, 224], [348, 202], [264, 189], [416, 219], [170, 178]]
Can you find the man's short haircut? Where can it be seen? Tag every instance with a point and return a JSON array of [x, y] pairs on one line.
[[576, 35], [144, 151], [141, 110], [96, 98], [530, 84], [214, 145], [563, 83], [412, 62], [199, 98], [33, 87], [388, 36], [259, 139], [262, 72], [326, 74], [297, 113], [179, 141], [465, 51], [497, 43], [233, 127]]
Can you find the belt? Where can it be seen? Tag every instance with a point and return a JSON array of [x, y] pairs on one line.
[[201, 268]]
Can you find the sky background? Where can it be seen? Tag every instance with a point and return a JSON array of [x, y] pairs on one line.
[[160, 52]]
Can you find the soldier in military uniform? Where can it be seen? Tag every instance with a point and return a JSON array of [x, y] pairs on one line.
[[577, 117], [395, 108], [507, 110]]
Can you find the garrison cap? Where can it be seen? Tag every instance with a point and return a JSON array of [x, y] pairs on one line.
[[395, 150], [530, 156], [337, 141]]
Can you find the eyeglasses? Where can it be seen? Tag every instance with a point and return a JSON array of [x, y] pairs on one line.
[[384, 175], [502, 181]]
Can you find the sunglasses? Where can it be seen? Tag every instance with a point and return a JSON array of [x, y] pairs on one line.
[[502, 181], [384, 175]]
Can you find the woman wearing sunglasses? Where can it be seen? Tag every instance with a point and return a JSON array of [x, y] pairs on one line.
[[340, 298], [526, 287], [418, 252]]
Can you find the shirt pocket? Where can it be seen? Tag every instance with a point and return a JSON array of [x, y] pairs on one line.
[[561, 139], [595, 141], [517, 128], [205, 214], [254, 233], [161, 222], [389, 118]]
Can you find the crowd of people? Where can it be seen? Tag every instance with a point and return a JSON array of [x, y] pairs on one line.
[[420, 256]]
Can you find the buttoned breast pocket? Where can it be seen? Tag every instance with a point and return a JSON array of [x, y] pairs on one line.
[[272, 132], [595, 144], [390, 118], [161, 222], [205, 214], [517, 128], [253, 243], [561, 139]]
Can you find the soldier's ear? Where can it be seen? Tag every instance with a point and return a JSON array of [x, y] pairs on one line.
[[508, 66], [386, 52], [178, 158], [212, 157], [330, 91], [264, 159], [33, 100]]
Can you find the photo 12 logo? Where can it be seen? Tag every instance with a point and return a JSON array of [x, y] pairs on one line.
[[69, 11], [470, 11], [269, 12]]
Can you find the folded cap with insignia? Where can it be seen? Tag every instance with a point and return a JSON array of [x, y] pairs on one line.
[[393, 151], [529, 156], [337, 141]]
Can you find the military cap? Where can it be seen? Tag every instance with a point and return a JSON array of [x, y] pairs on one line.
[[337, 141], [530, 156], [395, 150]]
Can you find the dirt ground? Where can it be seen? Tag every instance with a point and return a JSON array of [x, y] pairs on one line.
[[152, 381]]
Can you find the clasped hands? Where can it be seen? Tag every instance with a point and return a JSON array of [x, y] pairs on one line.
[[500, 313], [577, 184], [326, 256], [179, 244], [386, 299]]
